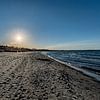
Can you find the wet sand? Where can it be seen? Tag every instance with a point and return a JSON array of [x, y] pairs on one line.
[[33, 76]]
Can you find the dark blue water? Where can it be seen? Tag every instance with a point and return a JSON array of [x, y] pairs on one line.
[[88, 60]]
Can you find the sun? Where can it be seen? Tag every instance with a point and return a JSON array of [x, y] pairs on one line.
[[19, 38]]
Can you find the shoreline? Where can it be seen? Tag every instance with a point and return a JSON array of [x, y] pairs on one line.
[[34, 76], [89, 74], [85, 72]]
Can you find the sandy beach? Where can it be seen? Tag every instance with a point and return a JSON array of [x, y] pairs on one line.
[[33, 76]]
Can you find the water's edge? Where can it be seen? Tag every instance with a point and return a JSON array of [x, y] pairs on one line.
[[95, 76]]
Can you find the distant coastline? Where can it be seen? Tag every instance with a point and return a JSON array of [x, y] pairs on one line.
[[18, 49], [6, 48]]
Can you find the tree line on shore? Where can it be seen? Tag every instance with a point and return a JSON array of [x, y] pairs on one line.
[[13, 49]]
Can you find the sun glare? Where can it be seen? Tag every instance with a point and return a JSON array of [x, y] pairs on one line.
[[18, 38]]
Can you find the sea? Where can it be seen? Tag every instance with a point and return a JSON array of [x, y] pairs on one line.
[[86, 61]]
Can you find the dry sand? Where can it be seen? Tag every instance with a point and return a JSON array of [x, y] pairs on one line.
[[33, 76]]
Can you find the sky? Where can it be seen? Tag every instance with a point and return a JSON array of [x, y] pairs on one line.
[[52, 24]]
